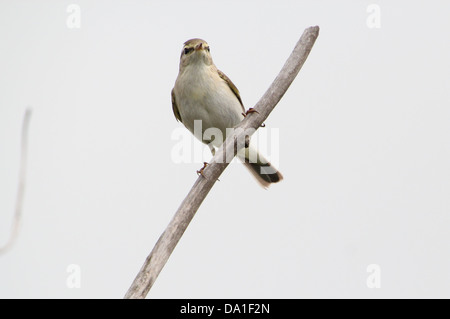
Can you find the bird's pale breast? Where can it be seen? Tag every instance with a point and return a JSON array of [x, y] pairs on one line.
[[202, 95]]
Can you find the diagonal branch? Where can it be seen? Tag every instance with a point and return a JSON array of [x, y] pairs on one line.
[[21, 186], [169, 239]]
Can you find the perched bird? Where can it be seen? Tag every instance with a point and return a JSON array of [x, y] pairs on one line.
[[202, 92]]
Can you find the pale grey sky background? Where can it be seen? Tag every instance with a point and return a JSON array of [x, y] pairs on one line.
[[363, 145]]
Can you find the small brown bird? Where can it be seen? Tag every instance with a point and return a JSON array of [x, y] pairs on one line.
[[202, 92]]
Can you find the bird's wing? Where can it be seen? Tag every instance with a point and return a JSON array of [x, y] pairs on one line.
[[175, 107], [232, 87]]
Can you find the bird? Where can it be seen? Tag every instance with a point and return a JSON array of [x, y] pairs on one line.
[[204, 93]]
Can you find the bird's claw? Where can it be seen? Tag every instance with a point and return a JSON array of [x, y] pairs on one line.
[[250, 110]]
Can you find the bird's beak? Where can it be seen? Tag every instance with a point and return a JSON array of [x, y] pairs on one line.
[[199, 47]]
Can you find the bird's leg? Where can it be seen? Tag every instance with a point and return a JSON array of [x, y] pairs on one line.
[[200, 171]]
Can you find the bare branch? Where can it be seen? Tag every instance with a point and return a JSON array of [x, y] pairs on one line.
[[21, 186], [169, 239]]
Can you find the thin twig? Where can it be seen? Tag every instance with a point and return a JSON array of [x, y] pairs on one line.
[[21, 187], [169, 239]]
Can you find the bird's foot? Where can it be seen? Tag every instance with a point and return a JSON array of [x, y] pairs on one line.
[[200, 171], [250, 110]]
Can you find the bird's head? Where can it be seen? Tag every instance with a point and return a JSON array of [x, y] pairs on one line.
[[195, 51]]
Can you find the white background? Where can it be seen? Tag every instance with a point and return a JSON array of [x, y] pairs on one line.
[[364, 149]]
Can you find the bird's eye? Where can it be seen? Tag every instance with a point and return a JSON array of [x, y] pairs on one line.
[[188, 50], [207, 49]]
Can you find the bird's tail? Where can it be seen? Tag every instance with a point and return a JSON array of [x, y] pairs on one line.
[[264, 172]]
